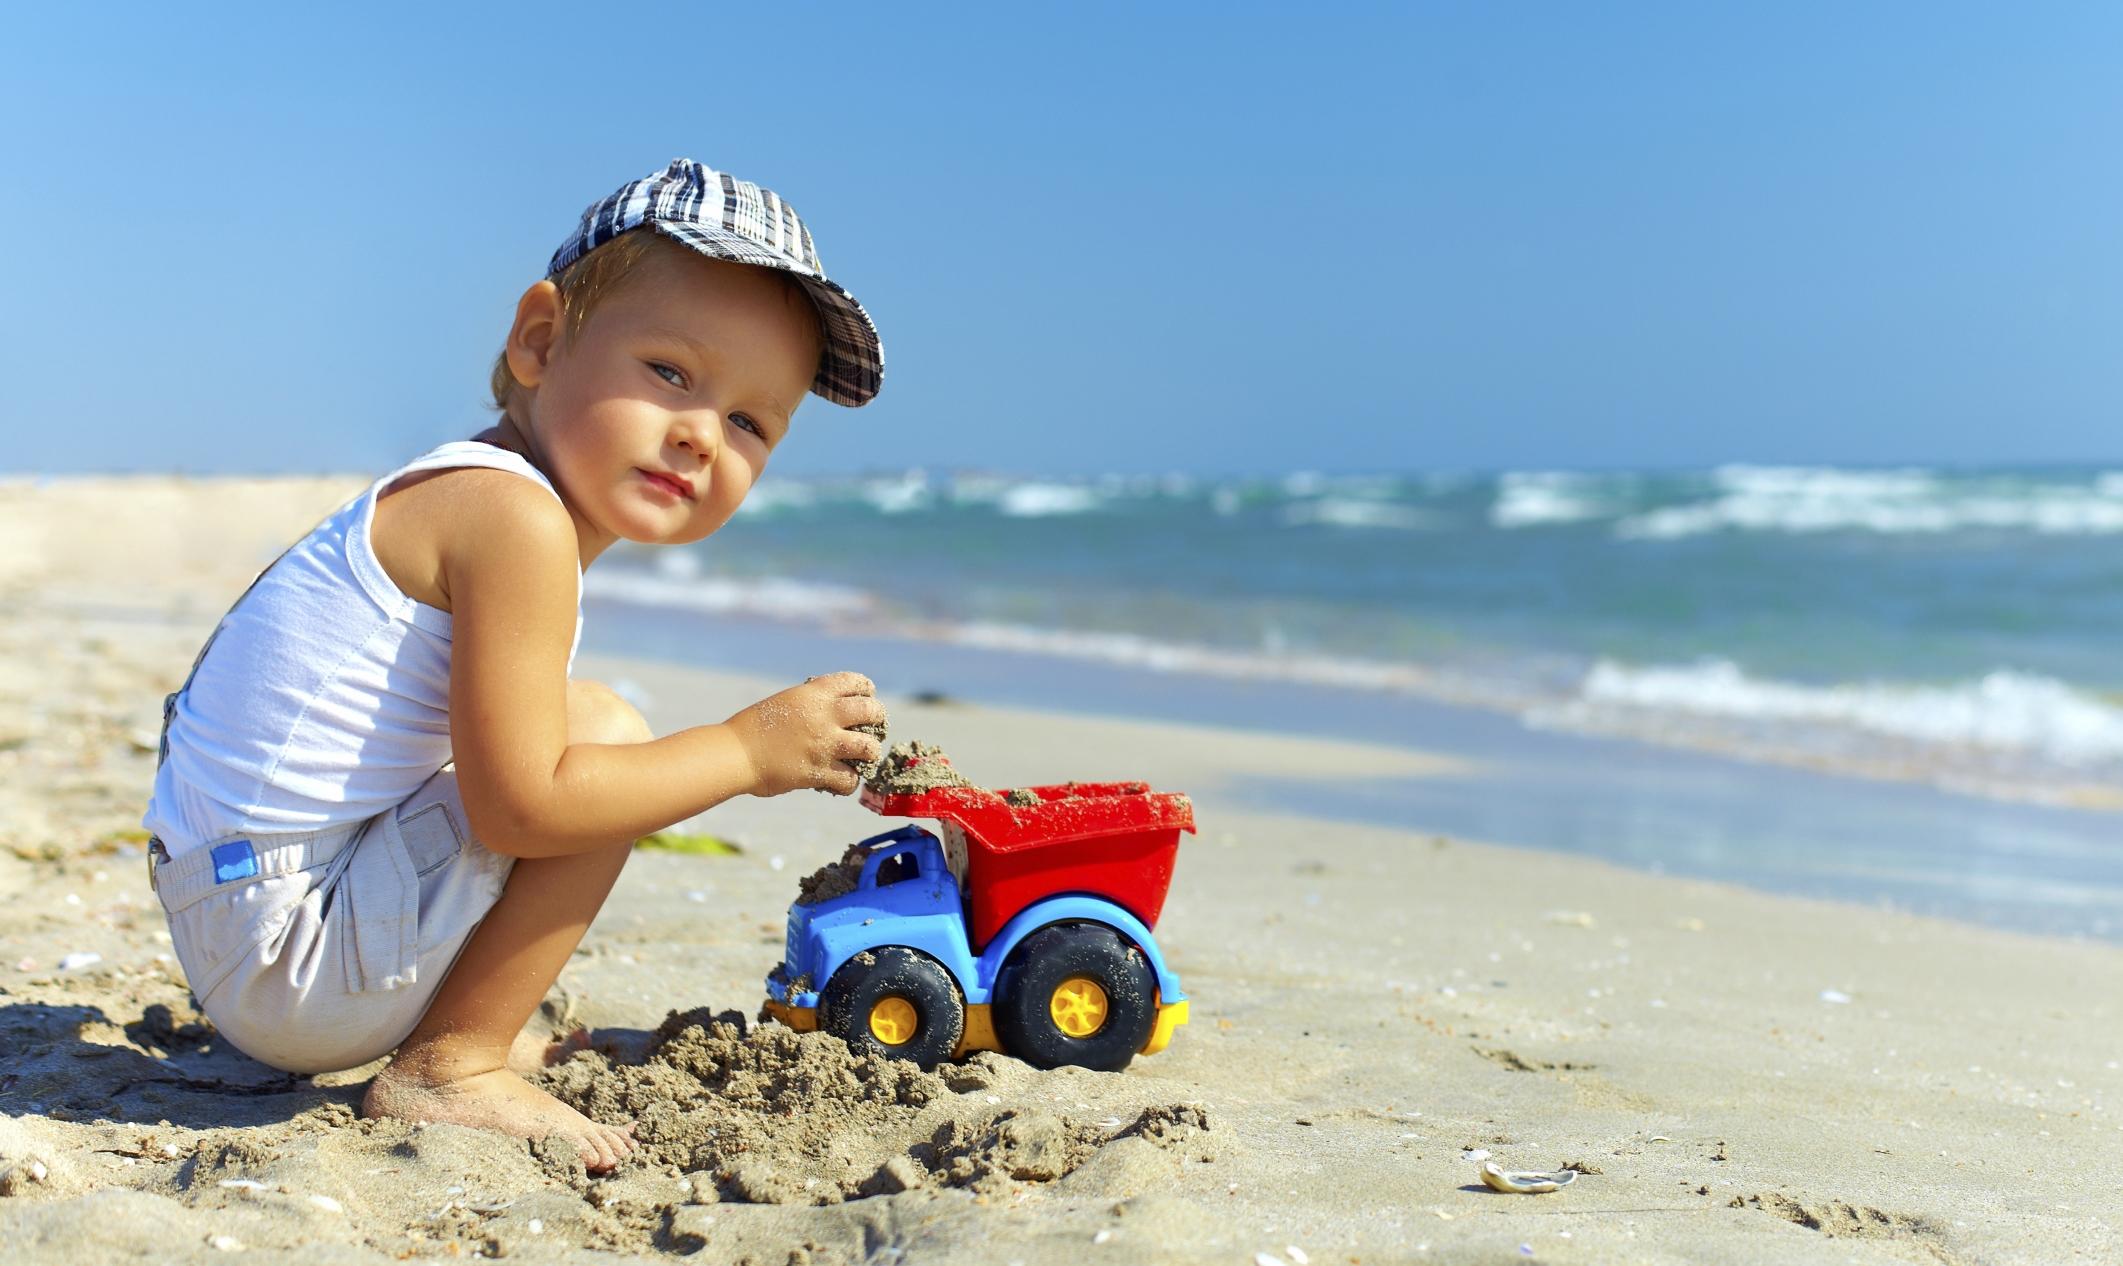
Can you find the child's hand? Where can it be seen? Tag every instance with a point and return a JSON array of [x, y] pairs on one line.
[[801, 737]]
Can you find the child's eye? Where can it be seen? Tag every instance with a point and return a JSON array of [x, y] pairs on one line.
[[675, 378], [745, 421]]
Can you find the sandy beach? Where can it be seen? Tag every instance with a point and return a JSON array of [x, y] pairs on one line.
[[1737, 1077]]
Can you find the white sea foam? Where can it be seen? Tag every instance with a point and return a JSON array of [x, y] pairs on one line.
[[1531, 498], [2004, 711], [1356, 512], [678, 588], [898, 495], [1894, 502], [1135, 651], [1033, 501], [778, 494]]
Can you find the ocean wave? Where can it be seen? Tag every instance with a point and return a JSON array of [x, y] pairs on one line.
[[779, 495], [1356, 512], [1132, 650], [1533, 498], [675, 585], [1802, 499], [1036, 500], [906, 493], [2003, 711]]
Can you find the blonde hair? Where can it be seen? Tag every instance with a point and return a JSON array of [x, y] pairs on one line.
[[583, 285], [598, 276]]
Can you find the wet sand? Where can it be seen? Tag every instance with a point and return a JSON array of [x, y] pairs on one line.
[[1741, 1077]]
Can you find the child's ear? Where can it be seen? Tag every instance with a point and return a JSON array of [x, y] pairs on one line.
[[535, 334]]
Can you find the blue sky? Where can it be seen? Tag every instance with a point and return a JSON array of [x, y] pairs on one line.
[[1219, 238]]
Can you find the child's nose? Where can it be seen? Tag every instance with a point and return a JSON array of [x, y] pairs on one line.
[[700, 435]]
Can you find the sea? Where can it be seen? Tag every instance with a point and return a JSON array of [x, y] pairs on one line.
[[1891, 686]]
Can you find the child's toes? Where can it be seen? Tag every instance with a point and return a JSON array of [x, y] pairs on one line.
[[598, 1156]]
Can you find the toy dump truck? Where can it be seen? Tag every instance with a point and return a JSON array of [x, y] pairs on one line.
[[1019, 925]]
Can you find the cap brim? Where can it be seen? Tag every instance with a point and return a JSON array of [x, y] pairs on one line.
[[851, 369]]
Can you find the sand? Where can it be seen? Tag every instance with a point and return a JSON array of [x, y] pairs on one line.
[[1739, 1077]]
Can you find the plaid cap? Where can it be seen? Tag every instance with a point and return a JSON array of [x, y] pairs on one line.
[[727, 218]]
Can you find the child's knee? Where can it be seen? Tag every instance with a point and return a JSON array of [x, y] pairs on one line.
[[596, 714]]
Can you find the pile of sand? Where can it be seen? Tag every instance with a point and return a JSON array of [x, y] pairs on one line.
[[767, 1115]]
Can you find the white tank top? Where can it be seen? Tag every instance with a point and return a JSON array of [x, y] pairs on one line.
[[324, 696]]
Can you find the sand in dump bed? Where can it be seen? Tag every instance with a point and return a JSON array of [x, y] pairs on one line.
[[915, 766], [834, 879]]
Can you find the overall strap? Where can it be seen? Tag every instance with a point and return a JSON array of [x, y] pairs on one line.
[[157, 853], [169, 701]]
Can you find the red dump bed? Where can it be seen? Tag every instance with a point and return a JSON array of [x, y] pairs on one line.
[[1116, 840]]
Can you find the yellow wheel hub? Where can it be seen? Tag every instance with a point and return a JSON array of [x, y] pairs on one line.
[[893, 1021], [1078, 1006]]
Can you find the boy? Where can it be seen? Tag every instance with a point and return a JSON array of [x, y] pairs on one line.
[[334, 892]]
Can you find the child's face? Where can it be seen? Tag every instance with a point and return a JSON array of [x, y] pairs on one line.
[[657, 417]]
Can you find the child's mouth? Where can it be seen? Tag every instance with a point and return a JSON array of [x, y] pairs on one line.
[[669, 483]]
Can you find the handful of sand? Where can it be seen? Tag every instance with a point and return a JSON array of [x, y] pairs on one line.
[[914, 766], [866, 769]]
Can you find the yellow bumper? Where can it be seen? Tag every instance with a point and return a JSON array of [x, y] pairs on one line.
[[980, 1026], [1168, 1019], [802, 1019]]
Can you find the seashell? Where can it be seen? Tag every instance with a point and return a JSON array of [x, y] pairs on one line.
[[1526, 1182]]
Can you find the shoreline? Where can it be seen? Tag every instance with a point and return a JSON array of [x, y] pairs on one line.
[[663, 589], [1661, 807]]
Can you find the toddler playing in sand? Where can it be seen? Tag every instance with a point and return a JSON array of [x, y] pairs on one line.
[[384, 815]]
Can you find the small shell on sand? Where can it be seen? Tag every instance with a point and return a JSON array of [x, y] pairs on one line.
[[1526, 1182], [225, 1243]]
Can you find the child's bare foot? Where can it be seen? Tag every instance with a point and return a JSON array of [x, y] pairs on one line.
[[497, 1099], [533, 1051]]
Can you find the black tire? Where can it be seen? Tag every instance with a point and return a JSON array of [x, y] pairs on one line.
[[870, 980], [1060, 954]]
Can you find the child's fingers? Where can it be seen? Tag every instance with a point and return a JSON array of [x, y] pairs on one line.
[[845, 683], [855, 745], [840, 780], [858, 710]]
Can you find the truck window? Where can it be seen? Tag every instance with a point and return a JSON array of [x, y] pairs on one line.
[[897, 868]]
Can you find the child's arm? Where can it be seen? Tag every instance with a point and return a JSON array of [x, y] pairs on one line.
[[507, 563]]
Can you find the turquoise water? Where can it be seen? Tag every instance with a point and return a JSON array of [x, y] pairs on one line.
[[1960, 622], [1663, 808]]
